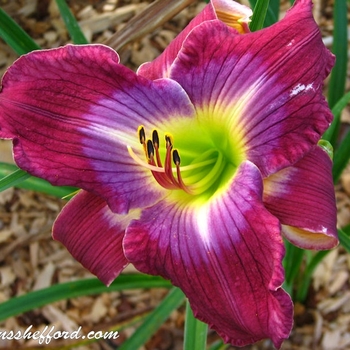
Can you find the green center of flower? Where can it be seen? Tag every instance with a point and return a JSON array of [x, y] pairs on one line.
[[204, 168]]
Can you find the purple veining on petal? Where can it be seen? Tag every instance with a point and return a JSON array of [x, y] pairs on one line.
[[252, 85], [302, 196], [71, 120], [225, 255], [93, 235]]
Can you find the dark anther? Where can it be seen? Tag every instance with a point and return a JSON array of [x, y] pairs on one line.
[[168, 141], [150, 149], [142, 135], [176, 157], [155, 138]]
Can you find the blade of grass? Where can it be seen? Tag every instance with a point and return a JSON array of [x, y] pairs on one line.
[[338, 76], [9, 172], [346, 228], [15, 36], [218, 345], [259, 14], [332, 132], [342, 151], [16, 177], [71, 23], [195, 331], [304, 285], [154, 320], [341, 157], [292, 262], [36, 299], [272, 12], [340, 34], [344, 238]]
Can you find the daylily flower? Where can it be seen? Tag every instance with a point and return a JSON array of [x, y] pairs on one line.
[[192, 169]]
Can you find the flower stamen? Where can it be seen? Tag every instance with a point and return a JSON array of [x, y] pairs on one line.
[[142, 138], [176, 159], [155, 140], [141, 162], [159, 177], [167, 164], [199, 177]]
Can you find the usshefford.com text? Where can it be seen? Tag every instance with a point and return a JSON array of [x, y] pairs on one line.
[[48, 333]]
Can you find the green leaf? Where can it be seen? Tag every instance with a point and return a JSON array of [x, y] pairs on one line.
[[346, 228], [219, 345], [195, 331], [305, 281], [292, 263], [344, 238], [259, 14], [154, 320], [72, 25], [272, 13], [36, 299], [341, 157], [341, 104], [337, 81], [342, 152], [16, 177], [332, 132], [11, 176], [15, 36]]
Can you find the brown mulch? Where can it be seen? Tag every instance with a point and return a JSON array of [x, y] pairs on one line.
[[30, 260]]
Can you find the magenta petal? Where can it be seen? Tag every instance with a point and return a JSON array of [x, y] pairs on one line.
[[255, 86], [73, 111], [226, 255], [159, 67], [302, 197], [229, 12], [93, 235]]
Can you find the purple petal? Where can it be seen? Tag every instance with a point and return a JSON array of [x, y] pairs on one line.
[[302, 197], [93, 235], [225, 254], [254, 86], [71, 113]]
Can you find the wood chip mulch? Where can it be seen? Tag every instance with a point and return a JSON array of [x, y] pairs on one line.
[[30, 260]]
